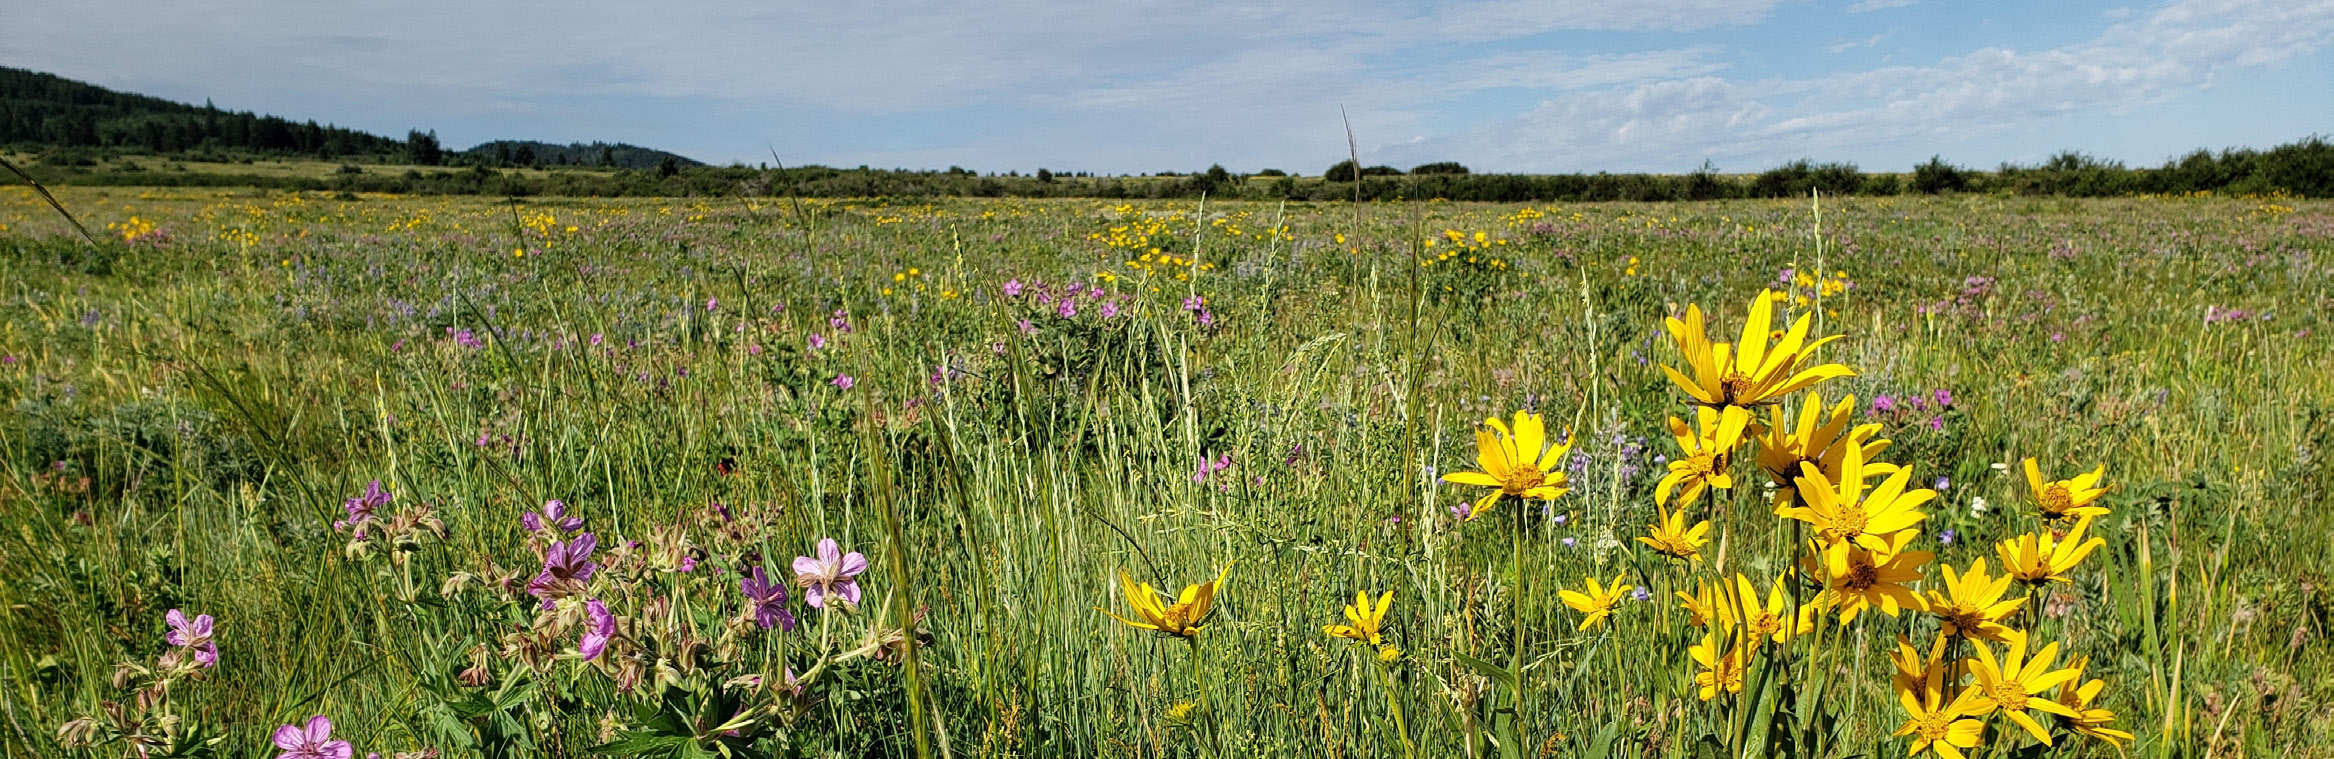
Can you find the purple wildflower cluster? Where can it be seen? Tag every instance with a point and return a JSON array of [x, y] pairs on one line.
[[1974, 292], [1932, 405], [1064, 301], [464, 338], [1208, 468], [2218, 315], [1198, 307]]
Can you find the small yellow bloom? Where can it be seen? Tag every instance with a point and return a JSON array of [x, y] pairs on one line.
[[1183, 619], [1363, 621], [1971, 604], [1816, 437], [1704, 454], [1596, 603], [1861, 578], [1946, 726], [1719, 672], [1707, 604], [1670, 536], [2037, 558], [2067, 499], [2014, 683], [1748, 373], [1517, 460], [1771, 621], [2088, 721], [1846, 514]]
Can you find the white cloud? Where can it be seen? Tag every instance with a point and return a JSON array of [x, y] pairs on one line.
[[1867, 6], [1670, 125]]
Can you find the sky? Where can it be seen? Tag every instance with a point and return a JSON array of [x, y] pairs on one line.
[[1138, 86]]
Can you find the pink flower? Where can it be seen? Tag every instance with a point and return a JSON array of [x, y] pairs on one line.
[[832, 573], [194, 636], [843, 381], [817, 341], [601, 630], [1012, 287], [312, 742]]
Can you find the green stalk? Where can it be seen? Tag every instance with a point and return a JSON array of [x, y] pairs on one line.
[[904, 608]]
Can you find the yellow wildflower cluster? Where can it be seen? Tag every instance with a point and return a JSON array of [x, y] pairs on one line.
[[132, 229], [1472, 249]]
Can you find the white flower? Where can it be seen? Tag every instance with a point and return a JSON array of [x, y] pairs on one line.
[[1977, 505]]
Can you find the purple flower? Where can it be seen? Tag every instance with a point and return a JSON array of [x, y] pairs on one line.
[[566, 567], [194, 636], [1109, 309], [1641, 595], [1013, 287], [554, 514], [312, 742], [688, 564], [361, 508], [843, 381], [766, 601], [833, 572], [710, 303], [1194, 303], [1785, 277], [1462, 510], [1942, 397], [1936, 423], [1067, 309], [600, 628], [817, 341], [1946, 536], [840, 321], [1882, 404], [1026, 327], [595, 339], [1570, 542], [1943, 483]]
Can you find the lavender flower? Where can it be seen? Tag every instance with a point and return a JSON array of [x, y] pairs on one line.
[[817, 341], [1013, 287], [566, 567], [1943, 483], [710, 303], [766, 601], [1943, 398], [601, 629], [843, 381], [833, 572], [361, 508], [1109, 309], [554, 514], [1462, 510], [1882, 404], [1067, 309], [312, 742], [1946, 536], [193, 636]]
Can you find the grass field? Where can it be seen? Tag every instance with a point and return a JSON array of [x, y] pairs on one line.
[[1004, 404]]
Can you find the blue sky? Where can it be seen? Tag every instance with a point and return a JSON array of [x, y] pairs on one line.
[[1148, 85]]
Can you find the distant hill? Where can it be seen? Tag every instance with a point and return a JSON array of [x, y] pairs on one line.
[[544, 154], [43, 113]]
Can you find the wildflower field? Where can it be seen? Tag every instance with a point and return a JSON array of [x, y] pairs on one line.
[[1973, 476]]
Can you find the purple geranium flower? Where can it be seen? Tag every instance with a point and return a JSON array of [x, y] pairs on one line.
[[566, 567], [766, 601], [312, 742], [361, 508], [1012, 287], [843, 381], [194, 636], [833, 572], [600, 628], [554, 514], [817, 341]]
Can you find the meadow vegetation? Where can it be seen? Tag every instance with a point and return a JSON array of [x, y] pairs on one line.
[[1072, 477]]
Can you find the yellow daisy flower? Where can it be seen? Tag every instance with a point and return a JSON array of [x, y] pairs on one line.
[[1748, 373], [1846, 514], [1596, 603], [1944, 726], [1768, 622], [1704, 453], [1971, 603], [1516, 461], [2067, 499], [2088, 721], [1364, 622], [1860, 579], [1719, 671], [1670, 536], [1183, 619], [2014, 683], [2037, 558], [1815, 438], [1706, 604]]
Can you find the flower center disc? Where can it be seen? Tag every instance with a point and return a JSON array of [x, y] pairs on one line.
[[1522, 478], [1733, 387], [2056, 500]]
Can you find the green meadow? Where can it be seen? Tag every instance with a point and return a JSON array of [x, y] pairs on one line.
[[1004, 404]]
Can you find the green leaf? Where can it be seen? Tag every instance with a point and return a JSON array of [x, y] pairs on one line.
[[1486, 669]]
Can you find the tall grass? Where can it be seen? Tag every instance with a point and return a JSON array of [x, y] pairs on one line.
[[224, 380]]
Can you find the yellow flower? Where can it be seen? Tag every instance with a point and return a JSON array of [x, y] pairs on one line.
[[1917, 672], [1517, 461], [1706, 605], [2088, 721], [1365, 621], [1670, 535], [1846, 514], [2014, 683], [1860, 578], [1971, 604], [2067, 499], [1748, 373], [1182, 619], [1936, 723], [1815, 439], [1770, 622], [1597, 603], [1704, 454], [2037, 558], [1719, 671]]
